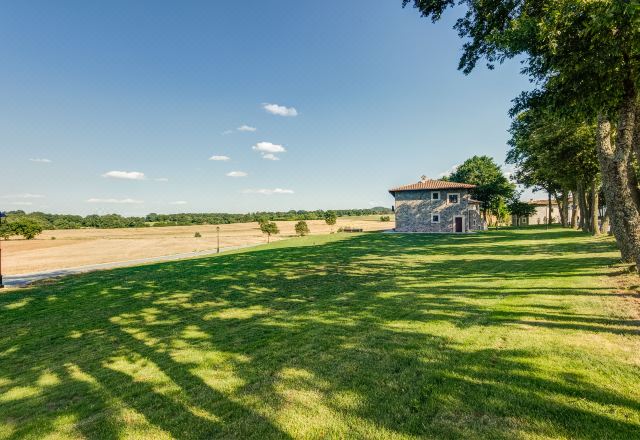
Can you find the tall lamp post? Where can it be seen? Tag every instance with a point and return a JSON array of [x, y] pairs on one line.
[[2, 215]]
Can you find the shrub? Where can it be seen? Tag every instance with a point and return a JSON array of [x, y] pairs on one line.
[[26, 227], [197, 235], [385, 218], [302, 228]]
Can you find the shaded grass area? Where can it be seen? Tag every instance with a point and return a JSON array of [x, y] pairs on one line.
[[507, 334]]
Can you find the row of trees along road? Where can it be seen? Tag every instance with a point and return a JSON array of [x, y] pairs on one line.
[[584, 57]]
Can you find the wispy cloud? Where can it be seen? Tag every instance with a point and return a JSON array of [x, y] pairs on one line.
[[449, 171], [246, 128], [270, 156], [226, 132], [40, 160], [280, 110], [237, 174], [267, 191], [23, 196], [127, 175], [219, 158], [161, 179], [178, 202], [120, 201], [21, 203]]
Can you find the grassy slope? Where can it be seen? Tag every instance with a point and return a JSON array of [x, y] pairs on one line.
[[497, 335]]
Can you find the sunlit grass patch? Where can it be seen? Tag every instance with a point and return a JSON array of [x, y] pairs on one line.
[[506, 334]]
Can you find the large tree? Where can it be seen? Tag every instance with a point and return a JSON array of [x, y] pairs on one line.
[[491, 183], [588, 54], [559, 155]]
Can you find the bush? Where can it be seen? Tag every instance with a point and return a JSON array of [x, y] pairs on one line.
[[385, 218], [26, 227], [302, 228], [197, 235]]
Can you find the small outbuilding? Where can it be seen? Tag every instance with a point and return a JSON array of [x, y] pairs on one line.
[[436, 206]]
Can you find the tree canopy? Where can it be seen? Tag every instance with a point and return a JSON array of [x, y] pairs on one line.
[[491, 183]]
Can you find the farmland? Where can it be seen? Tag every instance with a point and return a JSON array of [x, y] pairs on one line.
[[80, 247]]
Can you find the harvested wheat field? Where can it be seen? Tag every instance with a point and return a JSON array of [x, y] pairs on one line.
[[80, 247]]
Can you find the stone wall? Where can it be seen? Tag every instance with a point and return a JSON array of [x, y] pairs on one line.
[[414, 210]]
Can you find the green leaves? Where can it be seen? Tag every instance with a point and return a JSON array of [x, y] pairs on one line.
[[491, 183]]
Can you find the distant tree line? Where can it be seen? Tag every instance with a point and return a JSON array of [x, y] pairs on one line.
[[112, 221]]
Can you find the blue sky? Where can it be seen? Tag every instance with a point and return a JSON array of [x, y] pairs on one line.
[[153, 90]]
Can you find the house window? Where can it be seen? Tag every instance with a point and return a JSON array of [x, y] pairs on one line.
[[454, 198], [435, 195], [435, 218]]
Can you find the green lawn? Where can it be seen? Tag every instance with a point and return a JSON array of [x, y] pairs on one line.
[[507, 334]]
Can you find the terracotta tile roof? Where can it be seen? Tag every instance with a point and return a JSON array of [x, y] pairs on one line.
[[432, 184]]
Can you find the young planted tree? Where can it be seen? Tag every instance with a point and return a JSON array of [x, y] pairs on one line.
[[302, 228], [330, 218], [269, 228]]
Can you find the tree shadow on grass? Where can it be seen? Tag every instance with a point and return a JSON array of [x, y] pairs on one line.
[[370, 336]]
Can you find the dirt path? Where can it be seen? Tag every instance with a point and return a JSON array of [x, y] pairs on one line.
[[24, 279]]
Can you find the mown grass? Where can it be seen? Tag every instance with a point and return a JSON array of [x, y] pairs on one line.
[[507, 334]]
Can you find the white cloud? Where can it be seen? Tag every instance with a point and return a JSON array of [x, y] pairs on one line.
[[280, 110], [23, 196], [40, 160], [22, 203], [219, 158], [127, 175], [246, 128], [178, 202], [226, 132], [161, 179], [268, 147], [122, 201], [268, 192], [237, 174], [449, 171]]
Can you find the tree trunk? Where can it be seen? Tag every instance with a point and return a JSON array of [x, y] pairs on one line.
[[604, 228], [549, 210], [562, 204], [595, 230], [584, 212], [633, 179], [574, 209], [614, 162]]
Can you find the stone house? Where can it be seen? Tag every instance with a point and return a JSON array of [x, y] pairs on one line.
[[539, 217], [436, 206]]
